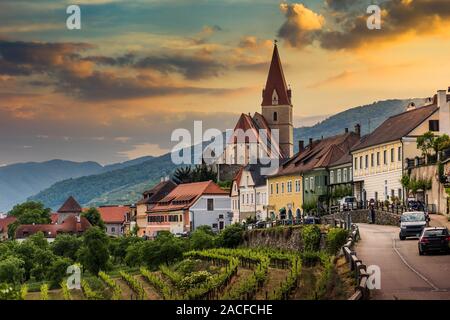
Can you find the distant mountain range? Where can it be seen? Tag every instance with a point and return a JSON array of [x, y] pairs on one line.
[[22, 180], [125, 185]]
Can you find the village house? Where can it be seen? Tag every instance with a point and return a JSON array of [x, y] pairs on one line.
[[383, 156], [149, 199], [189, 206], [302, 182], [115, 218], [67, 220], [249, 194], [5, 221]]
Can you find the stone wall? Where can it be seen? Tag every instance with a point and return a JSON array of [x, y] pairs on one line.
[[362, 216]]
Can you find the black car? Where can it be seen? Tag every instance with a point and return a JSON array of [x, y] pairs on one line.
[[434, 239]]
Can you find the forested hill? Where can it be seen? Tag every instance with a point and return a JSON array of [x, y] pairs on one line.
[[126, 185], [368, 116]]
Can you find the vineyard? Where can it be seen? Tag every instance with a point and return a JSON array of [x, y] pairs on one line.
[[213, 274]]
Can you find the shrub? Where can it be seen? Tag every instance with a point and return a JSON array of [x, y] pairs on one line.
[[117, 292], [89, 293], [311, 237], [44, 291], [65, 290], [7, 292], [134, 284], [23, 291], [194, 279], [310, 259], [336, 238], [231, 236]]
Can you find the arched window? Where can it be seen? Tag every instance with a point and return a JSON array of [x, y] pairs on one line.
[[275, 116]]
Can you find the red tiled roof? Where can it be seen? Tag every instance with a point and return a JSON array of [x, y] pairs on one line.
[[158, 192], [185, 195], [321, 154], [252, 125], [71, 205], [70, 225], [114, 214], [5, 222], [276, 81]]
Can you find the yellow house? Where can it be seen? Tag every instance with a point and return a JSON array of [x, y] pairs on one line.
[[382, 157], [285, 192]]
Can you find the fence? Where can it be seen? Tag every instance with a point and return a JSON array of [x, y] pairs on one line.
[[377, 205], [358, 269]]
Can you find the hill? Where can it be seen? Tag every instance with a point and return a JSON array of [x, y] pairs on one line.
[[22, 180], [125, 185]]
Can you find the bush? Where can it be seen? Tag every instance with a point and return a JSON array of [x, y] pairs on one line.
[[12, 270], [336, 238], [117, 292], [7, 292], [194, 279], [311, 237], [58, 270], [231, 236], [65, 290], [134, 284], [44, 291], [89, 292], [310, 259]]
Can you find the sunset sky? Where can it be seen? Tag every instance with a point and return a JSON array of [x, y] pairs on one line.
[[139, 69]]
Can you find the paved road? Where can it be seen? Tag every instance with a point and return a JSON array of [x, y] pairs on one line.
[[404, 274]]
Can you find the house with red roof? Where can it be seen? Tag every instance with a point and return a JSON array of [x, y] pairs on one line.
[[67, 220], [189, 206], [4, 223], [115, 218], [149, 199]]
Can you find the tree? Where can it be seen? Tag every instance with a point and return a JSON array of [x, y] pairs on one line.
[[231, 236], [30, 212], [12, 270], [66, 246], [203, 172], [118, 246], [202, 238], [43, 258], [170, 247], [183, 175], [94, 254], [94, 217], [425, 143], [58, 270]]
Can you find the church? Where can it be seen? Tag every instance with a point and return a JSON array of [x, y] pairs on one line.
[[267, 134]]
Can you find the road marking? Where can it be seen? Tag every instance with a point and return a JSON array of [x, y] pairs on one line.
[[394, 241]]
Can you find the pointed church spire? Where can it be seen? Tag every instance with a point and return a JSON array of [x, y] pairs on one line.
[[276, 91]]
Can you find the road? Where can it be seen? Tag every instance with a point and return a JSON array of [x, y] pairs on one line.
[[404, 274]]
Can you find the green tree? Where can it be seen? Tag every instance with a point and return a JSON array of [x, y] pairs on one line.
[[94, 254], [425, 143], [58, 270], [66, 245], [28, 213], [231, 236], [202, 238], [118, 246], [12, 270], [94, 217], [311, 237], [183, 175], [43, 258]]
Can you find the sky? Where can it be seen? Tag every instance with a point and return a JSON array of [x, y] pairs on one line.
[[138, 69]]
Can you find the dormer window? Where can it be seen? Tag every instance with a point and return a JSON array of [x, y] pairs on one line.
[[274, 98], [275, 116]]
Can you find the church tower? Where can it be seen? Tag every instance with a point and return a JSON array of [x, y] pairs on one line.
[[276, 105]]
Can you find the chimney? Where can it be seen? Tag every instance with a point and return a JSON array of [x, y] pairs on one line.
[[358, 129], [310, 141], [444, 111], [346, 130], [301, 145]]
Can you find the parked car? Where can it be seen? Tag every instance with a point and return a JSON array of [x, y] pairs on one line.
[[348, 202], [435, 239], [412, 223], [311, 220]]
